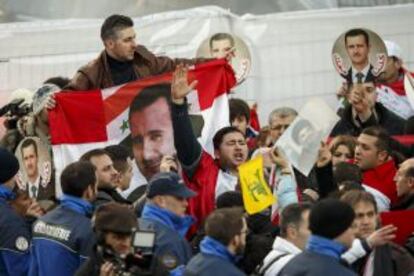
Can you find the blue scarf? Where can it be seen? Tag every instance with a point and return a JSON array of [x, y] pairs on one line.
[[6, 193], [167, 218], [77, 204], [325, 246], [213, 247]]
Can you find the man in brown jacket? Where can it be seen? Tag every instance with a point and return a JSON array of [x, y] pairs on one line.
[[122, 60]]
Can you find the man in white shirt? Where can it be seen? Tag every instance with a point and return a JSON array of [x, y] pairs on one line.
[[294, 234]]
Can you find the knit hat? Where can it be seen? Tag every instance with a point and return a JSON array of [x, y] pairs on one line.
[[115, 217], [9, 166], [329, 218]]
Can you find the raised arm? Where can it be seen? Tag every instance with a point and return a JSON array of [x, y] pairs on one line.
[[188, 149]]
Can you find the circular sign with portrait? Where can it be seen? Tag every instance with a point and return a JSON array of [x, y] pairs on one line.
[[220, 45], [34, 176], [359, 55]]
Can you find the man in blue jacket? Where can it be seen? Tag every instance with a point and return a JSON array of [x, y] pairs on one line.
[[165, 213], [333, 231], [63, 238], [225, 240], [15, 232]]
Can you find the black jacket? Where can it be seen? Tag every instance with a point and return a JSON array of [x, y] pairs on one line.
[[106, 195], [386, 119], [390, 259]]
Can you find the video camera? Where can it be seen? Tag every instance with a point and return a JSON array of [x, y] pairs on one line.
[[15, 110], [139, 261]]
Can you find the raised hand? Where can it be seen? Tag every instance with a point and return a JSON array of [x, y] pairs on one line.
[[382, 236], [179, 85], [324, 156]]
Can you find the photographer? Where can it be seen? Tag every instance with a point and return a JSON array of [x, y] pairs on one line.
[[19, 105], [114, 253]]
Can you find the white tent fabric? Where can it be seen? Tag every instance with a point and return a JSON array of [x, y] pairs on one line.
[[290, 51]]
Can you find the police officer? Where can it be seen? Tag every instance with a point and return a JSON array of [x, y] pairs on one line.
[[63, 238], [165, 213], [15, 232], [225, 240]]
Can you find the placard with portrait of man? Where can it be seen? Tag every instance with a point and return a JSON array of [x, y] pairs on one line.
[[230, 46], [35, 174], [359, 55], [301, 141]]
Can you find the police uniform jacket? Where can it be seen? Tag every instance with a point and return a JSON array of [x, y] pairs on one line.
[[62, 239], [14, 238]]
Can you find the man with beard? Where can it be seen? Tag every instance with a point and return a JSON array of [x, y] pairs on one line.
[[122, 60], [106, 175], [225, 240], [372, 155], [207, 176]]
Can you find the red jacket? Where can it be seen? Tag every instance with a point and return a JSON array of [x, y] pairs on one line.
[[204, 182], [381, 178]]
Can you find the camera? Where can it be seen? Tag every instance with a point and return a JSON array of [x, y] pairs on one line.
[[138, 261], [15, 110]]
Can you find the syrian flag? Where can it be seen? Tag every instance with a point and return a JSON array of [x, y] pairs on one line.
[[85, 120], [397, 96]]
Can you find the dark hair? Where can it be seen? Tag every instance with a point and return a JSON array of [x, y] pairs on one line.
[[239, 108], [113, 24], [354, 197], [343, 140], [292, 214], [357, 32], [87, 156], [344, 171], [349, 185], [297, 128], [148, 96], [409, 172], [224, 224], [77, 177], [119, 155], [383, 138], [229, 199], [221, 36], [27, 143], [61, 82], [219, 136]]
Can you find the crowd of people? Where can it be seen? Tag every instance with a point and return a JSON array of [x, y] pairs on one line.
[[185, 215]]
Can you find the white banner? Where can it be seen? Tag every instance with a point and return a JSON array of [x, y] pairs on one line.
[[283, 57]]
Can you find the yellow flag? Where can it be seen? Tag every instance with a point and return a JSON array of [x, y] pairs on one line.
[[256, 193]]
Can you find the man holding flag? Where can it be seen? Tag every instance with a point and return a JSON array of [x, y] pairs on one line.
[[208, 176], [122, 60]]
